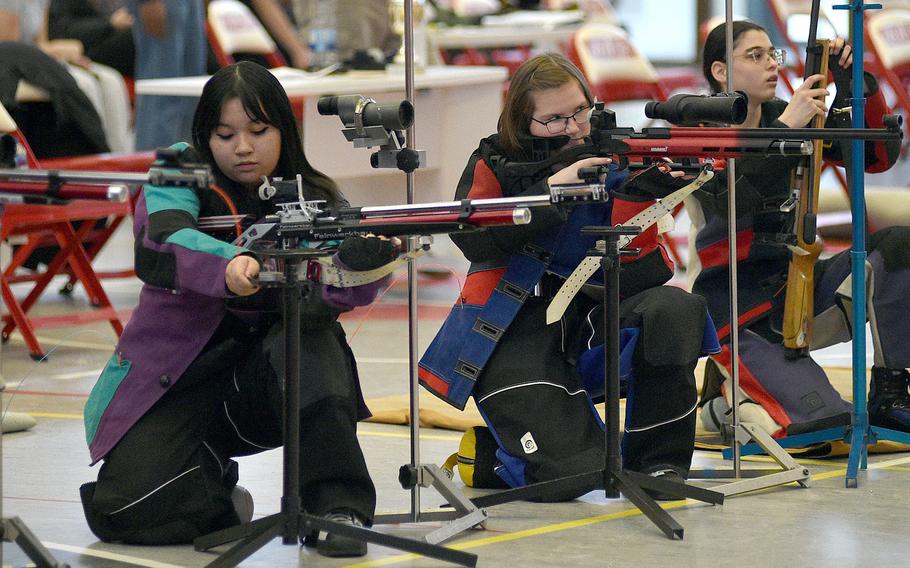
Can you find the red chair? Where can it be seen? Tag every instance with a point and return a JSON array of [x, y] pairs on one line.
[[39, 225], [887, 37], [232, 28], [782, 13]]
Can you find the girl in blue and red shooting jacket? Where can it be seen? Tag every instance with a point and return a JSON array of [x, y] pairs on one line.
[[790, 396], [197, 377], [534, 383]]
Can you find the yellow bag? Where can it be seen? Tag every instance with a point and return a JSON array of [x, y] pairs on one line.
[[476, 460]]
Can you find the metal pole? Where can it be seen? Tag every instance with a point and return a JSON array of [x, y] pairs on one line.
[[731, 239], [858, 251], [290, 500], [413, 353]]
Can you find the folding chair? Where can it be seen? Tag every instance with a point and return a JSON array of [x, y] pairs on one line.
[[232, 28], [887, 36], [782, 11], [40, 225], [617, 71]]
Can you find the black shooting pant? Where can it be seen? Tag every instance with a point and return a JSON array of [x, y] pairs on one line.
[[532, 396], [169, 479]]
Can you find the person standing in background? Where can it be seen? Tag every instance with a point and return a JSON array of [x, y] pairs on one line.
[[363, 33], [170, 42], [25, 21], [103, 26]]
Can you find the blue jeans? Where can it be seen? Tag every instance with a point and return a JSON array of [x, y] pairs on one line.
[[163, 120]]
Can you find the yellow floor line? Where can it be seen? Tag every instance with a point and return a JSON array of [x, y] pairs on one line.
[[132, 560], [558, 527], [55, 415], [369, 433], [764, 459], [889, 465]]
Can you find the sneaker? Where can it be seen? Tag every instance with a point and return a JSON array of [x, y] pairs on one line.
[[666, 475], [336, 545], [889, 399], [716, 415], [243, 503]]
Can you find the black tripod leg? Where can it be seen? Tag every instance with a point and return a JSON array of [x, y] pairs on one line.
[[15, 530], [681, 490], [310, 522], [591, 480], [255, 538], [231, 534], [648, 506]]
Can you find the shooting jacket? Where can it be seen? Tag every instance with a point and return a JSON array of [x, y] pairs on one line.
[[762, 185], [183, 300], [507, 263]]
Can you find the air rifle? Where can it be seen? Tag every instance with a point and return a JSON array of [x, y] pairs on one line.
[[628, 146], [169, 169], [799, 300], [304, 223]]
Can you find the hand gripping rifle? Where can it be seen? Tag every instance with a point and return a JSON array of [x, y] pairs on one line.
[[799, 301]]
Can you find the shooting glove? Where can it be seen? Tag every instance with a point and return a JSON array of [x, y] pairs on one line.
[[366, 252], [650, 183]]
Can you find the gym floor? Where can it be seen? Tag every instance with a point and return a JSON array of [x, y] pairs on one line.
[[823, 525]]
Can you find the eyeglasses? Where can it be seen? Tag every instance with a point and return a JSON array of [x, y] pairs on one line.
[[758, 55], [559, 124]]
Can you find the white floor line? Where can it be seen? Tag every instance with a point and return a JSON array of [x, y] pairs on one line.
[[54, 342]]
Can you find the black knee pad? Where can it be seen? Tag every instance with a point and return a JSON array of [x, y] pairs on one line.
[[893, 243], [672, 322]]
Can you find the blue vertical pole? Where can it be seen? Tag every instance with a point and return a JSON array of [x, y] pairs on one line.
[[859, 437]]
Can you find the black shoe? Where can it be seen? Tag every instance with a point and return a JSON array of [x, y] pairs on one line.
[[667, 474], [889, 399], [335, 545]]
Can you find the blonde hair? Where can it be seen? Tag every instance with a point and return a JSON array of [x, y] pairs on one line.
[[547, 71]]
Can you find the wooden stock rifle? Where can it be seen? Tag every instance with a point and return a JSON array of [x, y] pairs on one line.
[[799, 302]]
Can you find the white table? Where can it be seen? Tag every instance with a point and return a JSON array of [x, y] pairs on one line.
[[454, 108], [479, 37]]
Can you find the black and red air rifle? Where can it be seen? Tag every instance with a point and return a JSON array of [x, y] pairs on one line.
[[304, 220], [628, 146], [103, 185]]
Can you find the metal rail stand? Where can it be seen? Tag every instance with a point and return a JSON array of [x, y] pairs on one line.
[[744, 432], [860, 434], [612, 479], [415, 475], [292, 522]]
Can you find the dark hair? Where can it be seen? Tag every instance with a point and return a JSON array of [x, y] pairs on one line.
[[264, 100], [716, 48], [547, 71]]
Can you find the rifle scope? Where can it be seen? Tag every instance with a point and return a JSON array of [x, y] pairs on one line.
[[359, 111], [691, 110]]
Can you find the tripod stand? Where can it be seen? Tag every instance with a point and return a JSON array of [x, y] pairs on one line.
[[292, 521], [612, 479]]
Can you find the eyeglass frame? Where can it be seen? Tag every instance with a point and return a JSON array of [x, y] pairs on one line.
[[585, 112], [777, 55]]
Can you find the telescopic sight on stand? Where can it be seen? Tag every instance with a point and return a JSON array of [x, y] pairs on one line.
[[368, 124]]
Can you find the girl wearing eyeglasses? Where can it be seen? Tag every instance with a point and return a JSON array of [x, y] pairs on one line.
[[533, 382], [794, 395]]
